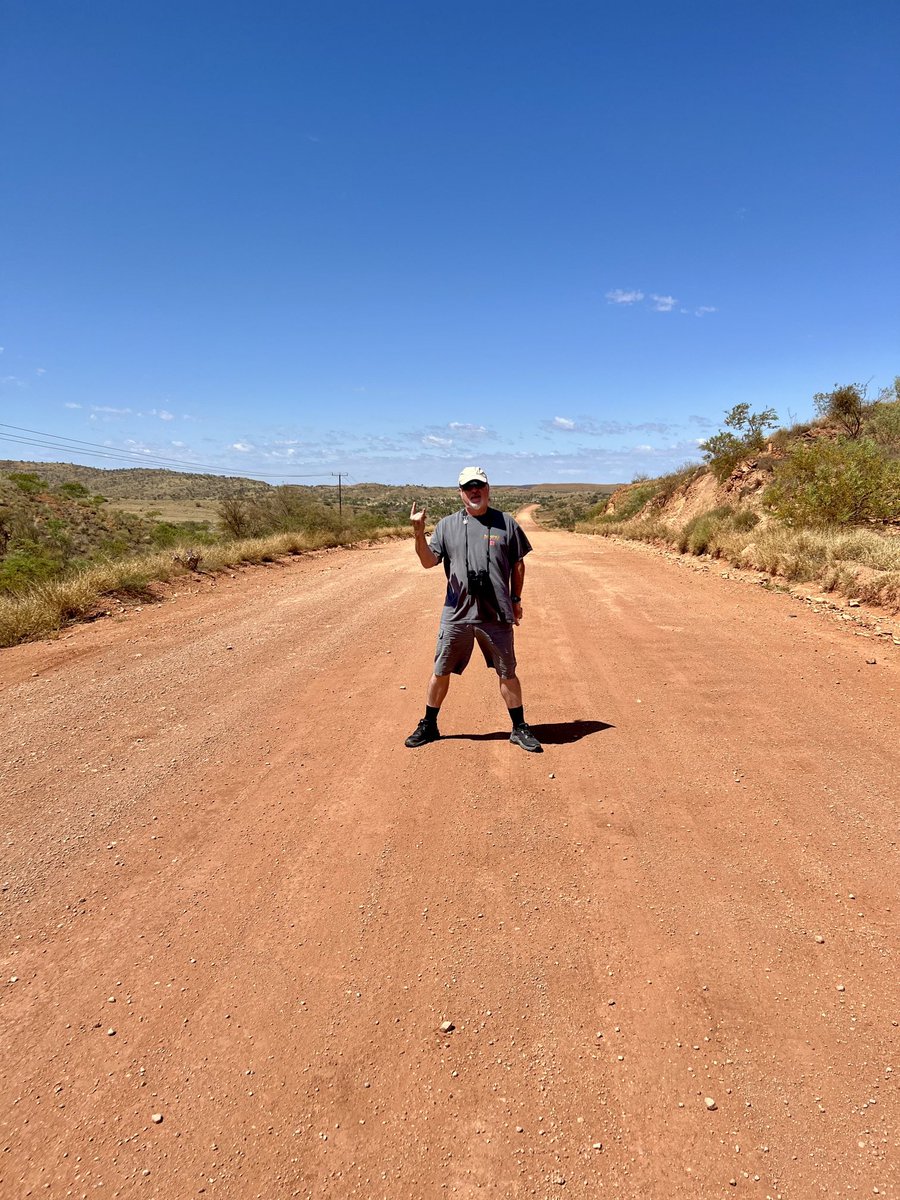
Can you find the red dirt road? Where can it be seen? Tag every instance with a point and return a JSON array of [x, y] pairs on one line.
[[233, 899]]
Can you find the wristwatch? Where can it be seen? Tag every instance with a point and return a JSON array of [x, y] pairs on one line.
[[516, 599]]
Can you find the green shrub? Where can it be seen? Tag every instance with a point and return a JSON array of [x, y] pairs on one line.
[[744, 520], [632, 502], [668, 485], [28, 482], [843, 407], [833, 483], [26, 566], [597, 510], [725, 449], [76, 491], [697, 535], [883, 425], [174, 533]]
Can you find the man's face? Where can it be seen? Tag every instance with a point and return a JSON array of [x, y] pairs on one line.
[[475, 497]]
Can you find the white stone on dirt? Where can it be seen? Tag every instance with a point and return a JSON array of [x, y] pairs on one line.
[[710, 1103], [156, 1118], [447, 1026], [820, 939]]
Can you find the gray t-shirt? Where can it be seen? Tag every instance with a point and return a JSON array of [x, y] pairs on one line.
[[493, 542]]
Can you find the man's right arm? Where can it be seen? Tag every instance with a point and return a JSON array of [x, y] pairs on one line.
[[427, 557]]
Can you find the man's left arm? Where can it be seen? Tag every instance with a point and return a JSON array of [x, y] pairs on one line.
[[517, 577]]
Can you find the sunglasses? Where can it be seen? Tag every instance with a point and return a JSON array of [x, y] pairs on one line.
[[472, 487]]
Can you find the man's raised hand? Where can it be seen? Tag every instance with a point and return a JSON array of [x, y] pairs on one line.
[[417, 516]]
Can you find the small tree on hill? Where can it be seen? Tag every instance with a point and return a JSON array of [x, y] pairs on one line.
[[844, 405], [725, 449]]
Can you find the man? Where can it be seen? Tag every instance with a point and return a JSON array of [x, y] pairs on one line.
[[483, 552]]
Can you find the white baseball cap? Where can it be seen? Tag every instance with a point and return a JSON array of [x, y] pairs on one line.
[[472, 475]]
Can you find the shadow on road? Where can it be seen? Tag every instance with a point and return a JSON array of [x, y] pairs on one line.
[[556, 733], [559, 732]]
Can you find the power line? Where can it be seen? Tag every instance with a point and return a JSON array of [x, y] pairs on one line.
[[97, 450]]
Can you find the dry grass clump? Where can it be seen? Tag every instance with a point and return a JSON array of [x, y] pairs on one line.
[[641, 529], [852, 562], [44, 608], [856, 562]]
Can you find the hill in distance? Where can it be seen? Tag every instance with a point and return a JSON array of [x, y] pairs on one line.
[[141, 483]]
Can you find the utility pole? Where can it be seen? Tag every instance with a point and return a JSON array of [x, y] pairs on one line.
[[340, 475]]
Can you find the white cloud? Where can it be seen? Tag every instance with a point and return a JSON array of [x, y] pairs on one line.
[[40, 370], [244, 447], [703, 309], [165, 415], [431, 439], [71, 404], [663, 303], [461, 427], [13, 380], [106, 408], [620, 296], [562, 423]]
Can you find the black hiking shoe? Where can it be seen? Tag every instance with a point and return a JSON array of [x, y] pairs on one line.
[[423, 733], [522, 736]]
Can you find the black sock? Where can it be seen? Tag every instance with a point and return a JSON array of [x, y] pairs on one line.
[[517, 716], [431, 714]]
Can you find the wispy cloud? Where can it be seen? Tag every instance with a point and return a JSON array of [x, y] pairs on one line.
[[108, 410], [243, 447], [12, 381], [464, 429], [663, 303], [621, 296], [658, 301], [587, 425], [454, 433], [40, 370], [71, 404]]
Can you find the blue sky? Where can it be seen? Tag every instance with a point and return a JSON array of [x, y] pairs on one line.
[[555, 239]]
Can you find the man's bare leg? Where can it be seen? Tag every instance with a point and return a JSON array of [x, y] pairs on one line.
[[511, 691], [438, 686], [427, 731]]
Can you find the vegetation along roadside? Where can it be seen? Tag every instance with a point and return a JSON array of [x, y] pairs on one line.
[[818, 502], [71, 535]]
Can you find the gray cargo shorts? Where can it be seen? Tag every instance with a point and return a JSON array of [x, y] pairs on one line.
[[455, 643]]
